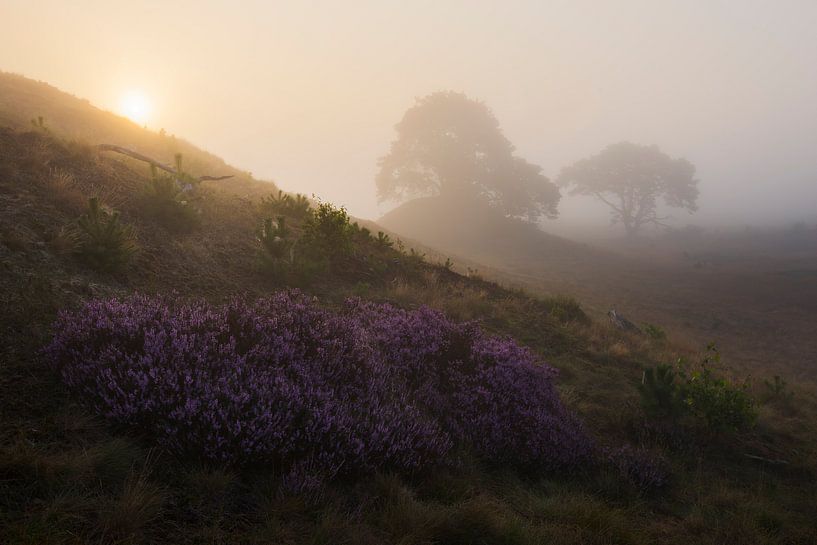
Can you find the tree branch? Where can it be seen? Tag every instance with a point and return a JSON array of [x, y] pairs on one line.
[[608, 203], [155, 163]]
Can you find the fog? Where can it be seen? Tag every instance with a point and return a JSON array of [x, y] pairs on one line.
[[307, 94]]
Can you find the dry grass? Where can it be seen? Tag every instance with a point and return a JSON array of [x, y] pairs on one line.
[[127, 515]]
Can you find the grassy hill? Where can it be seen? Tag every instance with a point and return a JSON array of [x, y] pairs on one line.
[[752, 293], [69, 475], [23, 100]]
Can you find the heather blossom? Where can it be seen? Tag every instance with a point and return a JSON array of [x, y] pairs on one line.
[[283, 381]]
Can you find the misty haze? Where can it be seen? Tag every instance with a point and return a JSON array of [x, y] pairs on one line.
[[419, 273]]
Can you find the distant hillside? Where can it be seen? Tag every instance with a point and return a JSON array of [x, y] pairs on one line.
[[23, 99], [473, 229], [741, 306]]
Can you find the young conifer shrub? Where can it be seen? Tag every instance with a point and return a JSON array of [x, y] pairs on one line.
[[166, 200], [276, 247], [101, 240], [295, 207]]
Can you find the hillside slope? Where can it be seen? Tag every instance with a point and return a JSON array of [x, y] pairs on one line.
[[760, 310], [23, 100], [68, 476], [473, 229]]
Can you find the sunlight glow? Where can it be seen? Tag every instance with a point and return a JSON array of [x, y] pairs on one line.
[[135, 106]]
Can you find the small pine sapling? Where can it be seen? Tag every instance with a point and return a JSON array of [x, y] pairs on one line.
[[165, 200], [276, 246], [661, 396], [383, 240], [103, 242], [296, 208]]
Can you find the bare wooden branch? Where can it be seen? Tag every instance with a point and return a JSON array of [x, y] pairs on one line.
[[135, 155], [155, 163], [214, 178], [767, 460]]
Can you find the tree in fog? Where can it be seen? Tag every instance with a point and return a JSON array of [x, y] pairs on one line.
[[451, 146], [631, 179]]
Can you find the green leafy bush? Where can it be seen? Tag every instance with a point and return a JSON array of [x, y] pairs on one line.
[[723, 405], [101, 240], [655, 331], [672, 394], [326, 241]]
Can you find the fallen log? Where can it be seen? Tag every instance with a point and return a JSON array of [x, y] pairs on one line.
[[139, 157]]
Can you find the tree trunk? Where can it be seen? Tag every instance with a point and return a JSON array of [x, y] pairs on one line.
[[630, 229]]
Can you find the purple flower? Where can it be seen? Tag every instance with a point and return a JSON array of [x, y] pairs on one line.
[[281, 381]]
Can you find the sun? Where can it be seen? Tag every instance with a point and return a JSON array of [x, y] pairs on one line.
[[136, 106]]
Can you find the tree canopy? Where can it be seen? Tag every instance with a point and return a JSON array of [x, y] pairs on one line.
[[630, 179], [450, 145]]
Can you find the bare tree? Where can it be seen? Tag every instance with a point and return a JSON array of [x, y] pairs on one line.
[[630, 179]]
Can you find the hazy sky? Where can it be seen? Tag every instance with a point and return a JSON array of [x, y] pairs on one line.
[[307, 93]]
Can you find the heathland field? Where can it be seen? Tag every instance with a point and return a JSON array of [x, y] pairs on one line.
[[231, 364]]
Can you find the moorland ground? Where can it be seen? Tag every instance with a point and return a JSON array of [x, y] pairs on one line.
[[68, 476]]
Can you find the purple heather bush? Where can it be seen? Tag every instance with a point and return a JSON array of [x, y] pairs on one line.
[[284, 382]]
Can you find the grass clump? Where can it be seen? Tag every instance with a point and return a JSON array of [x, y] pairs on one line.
[[566, 309], [126, 515]]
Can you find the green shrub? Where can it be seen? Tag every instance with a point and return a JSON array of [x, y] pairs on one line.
[[723, 405], [102, 242], [326, 241], [667, 393], [655, 331], [566, 309]]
